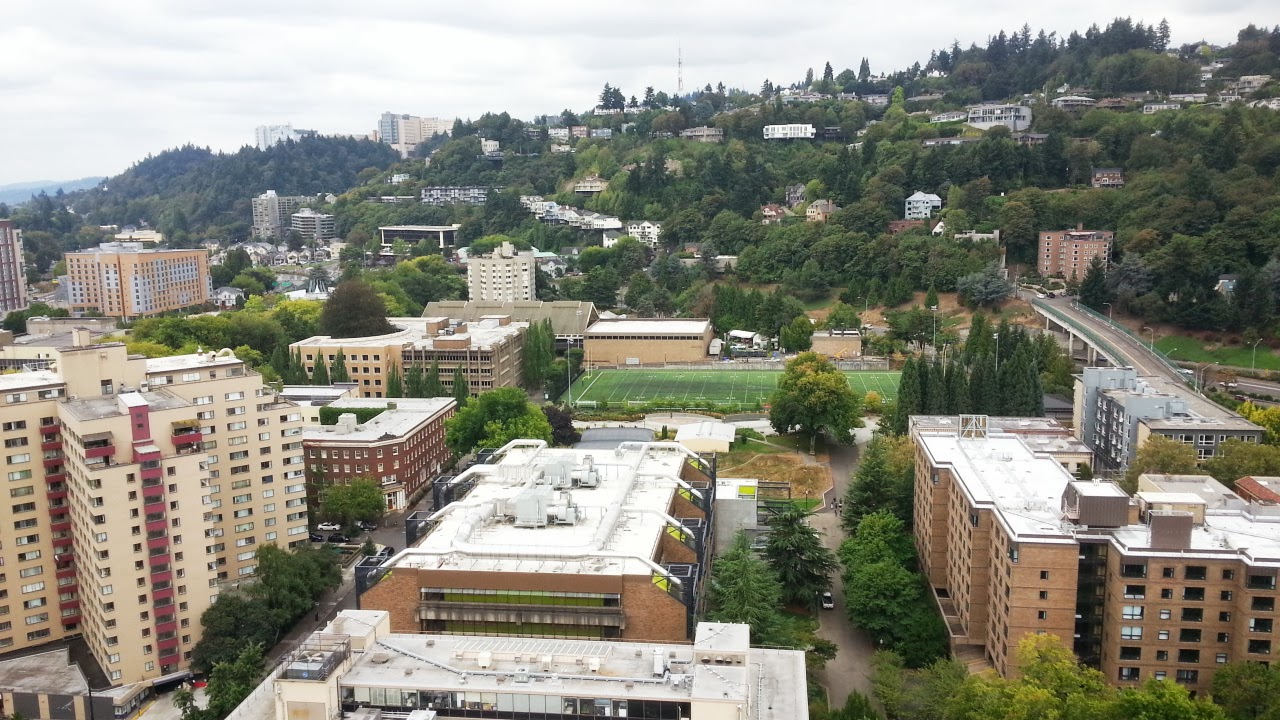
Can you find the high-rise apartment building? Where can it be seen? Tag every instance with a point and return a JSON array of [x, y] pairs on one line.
[[1067, 253], [1170, 583], [504, 275], [13, 276], [120, 279], [312, 225], [273, 214], [405, 132], [266, 136], [138, 488]]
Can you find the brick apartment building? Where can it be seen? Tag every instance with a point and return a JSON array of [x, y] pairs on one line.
[[401, 448], [138, 488], [1168, 584], [489, 351], [558, 543], [1067, 253], [126, 280]]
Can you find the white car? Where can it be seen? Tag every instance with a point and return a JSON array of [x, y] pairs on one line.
[[329, 527], [1040, 295], [828, 602]]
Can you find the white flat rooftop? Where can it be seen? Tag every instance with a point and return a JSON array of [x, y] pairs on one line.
[[190, 362], [412, 333], [1022, 488], [650, 326], [706, 430], [388, 425], [619, 522], [29, 379]]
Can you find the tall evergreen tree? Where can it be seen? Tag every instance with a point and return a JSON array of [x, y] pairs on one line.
[[432, 386], [926, 384], [280, 361], [908, 397], [979, 341], [415, 382], [957, 390], [320, 375], [984, 388], [461, 391], [937, 394], [339, 372], [395, 383], [297, 371], [1093, 289]]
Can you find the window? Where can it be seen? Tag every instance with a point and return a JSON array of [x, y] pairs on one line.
[[1135, 592], [1224, 617], [1225, 595], [1162, 635], [1128, 673], [1192, 615], [1264, 604], [1132, 612], [1188, 677], [1224, 637], [1220, 658], [1042, 615], [1166, 594], [1188, 635], [1169, 572], [1260, 647], [1193, 594], [1044, 594], [1129, 652], [1133, 571], [1260, 625], [1162, 656], [1131, 632], [1195, 572], [1228, 574], [1166, 614]]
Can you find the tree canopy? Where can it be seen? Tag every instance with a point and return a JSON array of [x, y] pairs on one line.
[[494, 419]]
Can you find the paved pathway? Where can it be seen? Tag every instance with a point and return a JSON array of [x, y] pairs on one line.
[[851, 668]]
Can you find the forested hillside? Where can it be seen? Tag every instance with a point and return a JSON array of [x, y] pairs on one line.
[[191, 190]]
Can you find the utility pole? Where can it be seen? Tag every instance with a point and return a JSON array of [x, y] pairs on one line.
[[679, 70]]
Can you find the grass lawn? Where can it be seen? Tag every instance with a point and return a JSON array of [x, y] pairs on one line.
[[1189, 349], [743, 388]]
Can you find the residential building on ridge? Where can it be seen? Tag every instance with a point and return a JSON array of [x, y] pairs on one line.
[[128, 281], [820, 210], [703, 134], [313, 226], [1111, 177], [406, 132], [265, 136], [272, 214], [437, 236], [457, 194], [1067, 253], [646, 232], [920, 205], [794, 131], [1014, 117]]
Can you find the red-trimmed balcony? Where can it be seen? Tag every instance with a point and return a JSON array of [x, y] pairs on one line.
[[57, 476], [152, 495], [161, 576], [158, 595], [152, 474], [53, 462], [63, 542], [60, 525], [68, 604], [157, 526], [99, 448], [65, 572], [153, 504], [57, 494], [167, 644], [159, 542], [51, 444], [161, 559]]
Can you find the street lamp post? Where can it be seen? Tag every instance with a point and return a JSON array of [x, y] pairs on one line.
[[1153, 337], [934, 308], [997, 337], [1200, 376], [1254, 362], [1109, 308]]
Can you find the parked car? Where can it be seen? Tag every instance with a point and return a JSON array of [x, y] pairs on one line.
[[1040, 295], [328, 527], [386, 551], [367, 526], [1240, 398], [1053, 295], [316, 537], [339, 539], [828, 601]]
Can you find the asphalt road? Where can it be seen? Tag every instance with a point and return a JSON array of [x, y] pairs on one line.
[[850, 669]]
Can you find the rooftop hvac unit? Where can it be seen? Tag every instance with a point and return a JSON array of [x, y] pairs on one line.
[[484, 660], [380, 658], [593, 664], [522, 675]]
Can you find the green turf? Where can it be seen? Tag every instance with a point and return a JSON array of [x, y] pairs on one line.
[[1189, 349], [722, 387]]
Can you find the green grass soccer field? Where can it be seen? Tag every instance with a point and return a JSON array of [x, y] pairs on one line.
[[722, 387]]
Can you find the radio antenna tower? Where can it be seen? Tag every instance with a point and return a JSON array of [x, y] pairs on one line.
[[679, 70]]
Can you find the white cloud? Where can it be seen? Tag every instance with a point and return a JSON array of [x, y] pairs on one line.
[[90, 87]]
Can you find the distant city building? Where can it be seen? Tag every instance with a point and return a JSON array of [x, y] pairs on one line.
[[406, 132], [272, 213], [876, 100], [13, 276], [920, 205], [1073, 102], [1014, 117], [1067, 253], [1153, 108], [794, 131], [438, 236], [505, 275], [312, 225], [457, 194], [946, 117], [128, 281], [266, 136]]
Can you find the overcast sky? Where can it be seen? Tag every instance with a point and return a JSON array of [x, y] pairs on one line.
[[90, 87]]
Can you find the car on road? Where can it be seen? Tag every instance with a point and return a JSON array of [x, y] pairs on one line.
[[339, 539], [367, 526], [386, 551], [1040, 295], [1053, 295], [316, 537], [828, 601], [329, 527], [1240, 398]]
